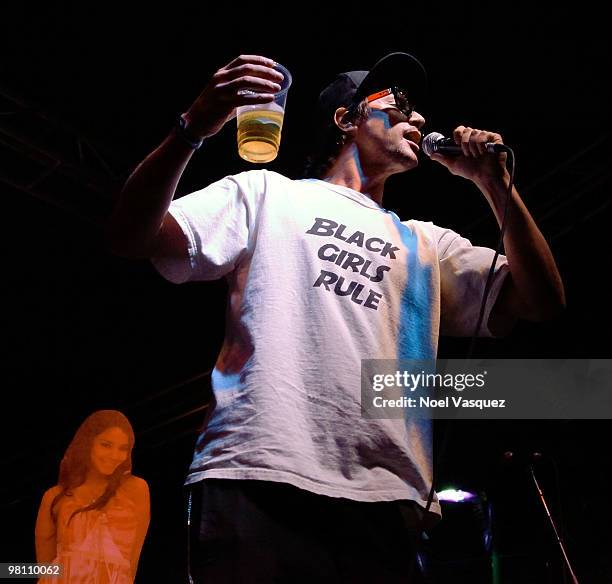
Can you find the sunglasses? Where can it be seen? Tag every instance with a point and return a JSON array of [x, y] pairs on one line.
[[400, 96]]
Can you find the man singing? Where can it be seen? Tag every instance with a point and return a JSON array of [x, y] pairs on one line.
[[289, 482]]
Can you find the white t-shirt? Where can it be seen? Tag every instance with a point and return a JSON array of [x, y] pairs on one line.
[[321, 277]]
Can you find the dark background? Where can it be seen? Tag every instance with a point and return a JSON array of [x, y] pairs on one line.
[[87, 91]]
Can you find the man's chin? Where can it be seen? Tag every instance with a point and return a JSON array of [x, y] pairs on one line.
[[409, 160]]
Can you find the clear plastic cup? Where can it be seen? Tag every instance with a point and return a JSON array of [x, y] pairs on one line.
[[260, 126]]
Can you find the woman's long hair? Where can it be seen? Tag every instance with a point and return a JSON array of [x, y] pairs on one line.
[[77, 459]]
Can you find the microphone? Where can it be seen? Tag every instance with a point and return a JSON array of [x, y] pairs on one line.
[[436, 143]]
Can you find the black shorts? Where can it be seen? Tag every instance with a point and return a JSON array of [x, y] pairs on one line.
[[263, 532]]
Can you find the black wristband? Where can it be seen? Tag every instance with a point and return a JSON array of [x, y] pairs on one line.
[[180, 129]]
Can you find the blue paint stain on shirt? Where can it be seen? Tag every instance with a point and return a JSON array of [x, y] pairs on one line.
[[414, 337], [221, 380]]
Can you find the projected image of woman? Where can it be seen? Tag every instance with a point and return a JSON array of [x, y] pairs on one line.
[[94, 521]]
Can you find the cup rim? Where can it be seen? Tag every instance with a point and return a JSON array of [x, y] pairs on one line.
[[287, 75]]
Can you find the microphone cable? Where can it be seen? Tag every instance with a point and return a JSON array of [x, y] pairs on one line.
[[498, 250], [500, 245]]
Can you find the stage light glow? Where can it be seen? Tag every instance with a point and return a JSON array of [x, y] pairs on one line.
[[455, 495]]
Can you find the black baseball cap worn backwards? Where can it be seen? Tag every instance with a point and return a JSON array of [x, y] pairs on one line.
[[395, 69]]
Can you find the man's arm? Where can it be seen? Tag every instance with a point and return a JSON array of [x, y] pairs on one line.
[[140, 225], [141, 214], [533, 290]]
